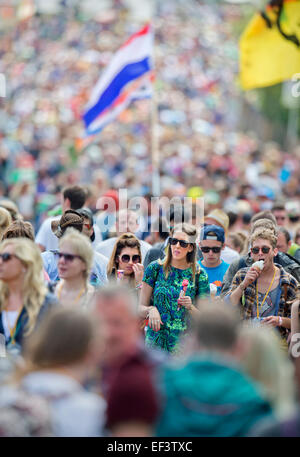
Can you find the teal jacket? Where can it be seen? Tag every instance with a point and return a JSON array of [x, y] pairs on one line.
[[209, 397]]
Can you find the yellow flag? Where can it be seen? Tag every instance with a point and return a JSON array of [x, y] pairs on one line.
[[270, 46]]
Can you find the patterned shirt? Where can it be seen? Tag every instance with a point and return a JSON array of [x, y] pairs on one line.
[[165, 295], [289, 288]]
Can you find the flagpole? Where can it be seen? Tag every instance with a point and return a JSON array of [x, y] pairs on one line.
[[155, 143]]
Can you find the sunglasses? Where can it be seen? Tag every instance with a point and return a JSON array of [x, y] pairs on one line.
[[68, 257], [174, 241], [6, 256], [214, 249], [125, 258], [264, 250]]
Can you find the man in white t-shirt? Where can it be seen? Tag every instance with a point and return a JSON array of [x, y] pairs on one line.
[[127, 222], [72, 197]]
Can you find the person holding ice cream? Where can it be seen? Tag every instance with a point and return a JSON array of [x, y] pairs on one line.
[[173, 299], [265, 291]]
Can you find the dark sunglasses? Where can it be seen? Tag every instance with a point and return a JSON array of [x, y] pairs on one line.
[[6, 256], [68, 257], [125, 258], [174, 241], [264, 250], [214, 249]]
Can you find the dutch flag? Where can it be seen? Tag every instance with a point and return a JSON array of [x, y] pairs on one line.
[[127, 77]]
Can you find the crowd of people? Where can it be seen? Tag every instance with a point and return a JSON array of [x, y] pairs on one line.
[[183, 336], [109, 327], [51, 63]]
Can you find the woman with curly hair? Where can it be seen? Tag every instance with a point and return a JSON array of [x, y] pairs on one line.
[[24, 297], [169, 316]]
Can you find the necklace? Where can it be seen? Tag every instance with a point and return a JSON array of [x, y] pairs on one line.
[[59, 289], [265, 297], [13, 331]]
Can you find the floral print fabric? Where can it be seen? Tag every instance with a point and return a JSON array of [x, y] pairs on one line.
[[165, 295]]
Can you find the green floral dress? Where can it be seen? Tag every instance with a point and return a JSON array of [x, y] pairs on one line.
[[165, 295]]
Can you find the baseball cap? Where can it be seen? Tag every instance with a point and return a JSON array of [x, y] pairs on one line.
[[212, 232]]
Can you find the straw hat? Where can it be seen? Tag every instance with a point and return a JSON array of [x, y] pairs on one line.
[[220, 217]]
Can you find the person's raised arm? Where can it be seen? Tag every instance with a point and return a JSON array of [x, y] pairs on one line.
[[239, 287]]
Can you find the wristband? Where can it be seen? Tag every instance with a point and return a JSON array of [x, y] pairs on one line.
[[151, 307], [242, 287], [280, 321]]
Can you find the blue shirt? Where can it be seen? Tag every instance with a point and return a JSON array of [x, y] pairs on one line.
[[98, 274], [216, 274]]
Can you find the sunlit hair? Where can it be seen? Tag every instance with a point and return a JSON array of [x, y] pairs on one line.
[[264, 223], [216, 326], [19, 229], [34, 289], [81, 246], [127, 240], [63, 338], [191, 257], [268, 364], [264, 234], [5, 220]]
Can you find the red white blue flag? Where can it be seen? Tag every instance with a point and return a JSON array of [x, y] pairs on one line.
[[127, 77]]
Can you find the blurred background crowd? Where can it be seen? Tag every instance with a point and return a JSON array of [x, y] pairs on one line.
[[212, 141]]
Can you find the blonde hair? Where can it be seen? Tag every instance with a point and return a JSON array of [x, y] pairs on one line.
[[191, 257], [82, 246], [5, 220], [127, 240], [268, 364], [34, 289], [264, 223], [264, 234]]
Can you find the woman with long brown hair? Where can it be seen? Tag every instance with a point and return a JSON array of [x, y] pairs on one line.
[[126, 257], [169, 315]]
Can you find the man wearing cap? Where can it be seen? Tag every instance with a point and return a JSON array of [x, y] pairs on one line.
[[89, 228], [220, 218], [212, 240]]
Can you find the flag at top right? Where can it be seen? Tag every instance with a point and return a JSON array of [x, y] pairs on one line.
[[270, 45]]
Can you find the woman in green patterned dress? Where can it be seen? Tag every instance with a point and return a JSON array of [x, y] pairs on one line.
[[169, 316]]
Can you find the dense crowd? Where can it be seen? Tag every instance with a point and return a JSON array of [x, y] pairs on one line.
[[191, 335], [51, 64]]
